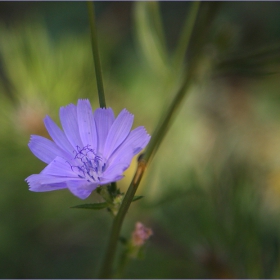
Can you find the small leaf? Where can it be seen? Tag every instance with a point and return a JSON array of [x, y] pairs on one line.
[[93, 206], [137, 197]]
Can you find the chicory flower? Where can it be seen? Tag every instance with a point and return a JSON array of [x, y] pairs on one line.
[[93, 149]]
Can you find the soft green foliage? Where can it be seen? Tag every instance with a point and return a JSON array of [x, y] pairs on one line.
[[43, 74], [211, 193]]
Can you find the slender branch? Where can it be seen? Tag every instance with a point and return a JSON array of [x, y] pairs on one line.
[[158, 135], [106, 269], [163, 125], [184, 39], [157, 21], [152, 147], [95, 53]]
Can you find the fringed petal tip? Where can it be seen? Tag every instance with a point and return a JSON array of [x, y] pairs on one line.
[[43, 183], [81, 189], [118, 132]]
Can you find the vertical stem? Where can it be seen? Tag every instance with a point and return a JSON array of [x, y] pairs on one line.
[[157, 21], [185, 35], [95, 53], [183, 46], [106, 269], [158, 135]]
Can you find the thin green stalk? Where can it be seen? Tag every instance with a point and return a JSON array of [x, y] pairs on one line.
[[164, 125], [158, 135], [124, 260], [106, 269], [95, 53], [156, 17], [185, 35], [153, 145]]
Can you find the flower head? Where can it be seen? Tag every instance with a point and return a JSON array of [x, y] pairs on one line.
[[140, 234], [93, 149], [134, 248]]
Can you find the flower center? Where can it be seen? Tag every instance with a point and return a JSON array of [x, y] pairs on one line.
[[88, 165]]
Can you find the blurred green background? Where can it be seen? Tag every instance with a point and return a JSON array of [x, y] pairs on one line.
[[212, 192]]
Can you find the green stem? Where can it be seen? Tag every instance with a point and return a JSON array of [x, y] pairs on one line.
[[167, 116], [185, 35], [196, 47], [158, 135], [155, 16], [153, 145], [95, 53], [106, 269], [165, 122], [124, 260]]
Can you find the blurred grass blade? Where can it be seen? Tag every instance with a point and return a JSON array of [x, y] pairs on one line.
[[150, 35], [92, 206], [38, 74], [157, 22], [185, 35], [258, 62], [262, 53]]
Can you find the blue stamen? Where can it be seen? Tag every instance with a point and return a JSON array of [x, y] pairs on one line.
[[90, 165]]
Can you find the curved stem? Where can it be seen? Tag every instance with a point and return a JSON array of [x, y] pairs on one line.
[[95, 53], [155, 140], [158, 135], [152, 147]]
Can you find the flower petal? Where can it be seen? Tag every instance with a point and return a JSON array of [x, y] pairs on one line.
[[61, 168], [104, 119], [114, 173], [44, 183], [110, 179], [81, 189], [45, 149], [118, 132], [58, 135], [136, 141], [86, 124], [68, 119]]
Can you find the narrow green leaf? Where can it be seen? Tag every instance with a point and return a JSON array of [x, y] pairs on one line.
[[261, 61], [150, 35], [93, 206], [137, 197], [185, 35]]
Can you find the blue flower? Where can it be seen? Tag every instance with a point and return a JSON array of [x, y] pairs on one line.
[[93, 149]]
